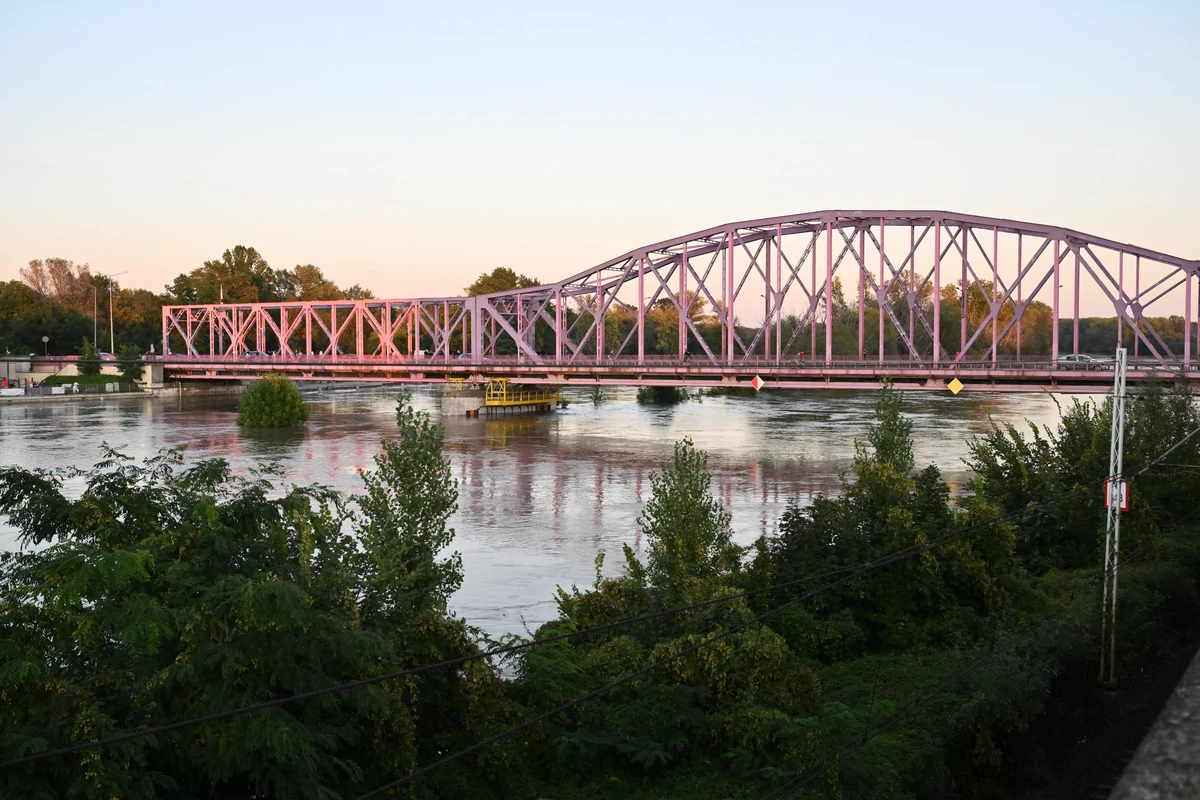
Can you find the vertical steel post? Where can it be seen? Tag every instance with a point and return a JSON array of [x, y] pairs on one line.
[[995, 280], [1115, 489], [1137, 293], [812, 298], [880, 292], [912, 288], [333, 330], [1121, 298], [683, 302], [862, 293], [766, 326], [962, 290], [599, 316], [641, 318], [828, 292], [730, 332], [1054, 310], [559, 321], [1017, 309], [937, 292], [1187, 325], [360, 308], [1075, 344], [779, 292]]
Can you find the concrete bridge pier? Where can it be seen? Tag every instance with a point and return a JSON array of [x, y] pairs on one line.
[[462, 402]]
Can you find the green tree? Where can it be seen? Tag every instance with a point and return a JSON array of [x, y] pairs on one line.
[[89, 359], [241, 275], [309, 283], [272, 402], [165, 592], [686, 528], [661, 394], [413, 485], [130, 364], [501, 279], [944, 593]]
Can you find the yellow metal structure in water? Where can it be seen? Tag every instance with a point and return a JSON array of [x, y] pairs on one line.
[[500, 394]]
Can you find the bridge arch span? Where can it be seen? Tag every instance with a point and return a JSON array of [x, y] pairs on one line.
[[919, 290]]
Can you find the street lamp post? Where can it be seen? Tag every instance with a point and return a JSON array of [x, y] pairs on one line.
[[111, 338], [45, 345]]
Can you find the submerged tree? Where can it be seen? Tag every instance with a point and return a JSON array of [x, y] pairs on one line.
[[272, 402]]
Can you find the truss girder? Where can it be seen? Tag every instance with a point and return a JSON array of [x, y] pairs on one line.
[[746, 291]]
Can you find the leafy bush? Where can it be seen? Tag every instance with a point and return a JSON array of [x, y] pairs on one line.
[[89, 359], [131, 366], [661, 394], [272, 402], [166, 592]]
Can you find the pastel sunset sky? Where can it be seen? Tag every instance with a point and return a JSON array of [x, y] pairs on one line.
[[410, 147]]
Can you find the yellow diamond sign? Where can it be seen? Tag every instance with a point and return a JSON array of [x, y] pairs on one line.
[[955, 386]]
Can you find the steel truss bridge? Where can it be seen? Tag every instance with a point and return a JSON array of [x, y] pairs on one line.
[[761, 297]]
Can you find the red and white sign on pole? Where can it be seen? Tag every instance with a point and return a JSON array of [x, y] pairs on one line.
[[757, 382], [1116, 495]]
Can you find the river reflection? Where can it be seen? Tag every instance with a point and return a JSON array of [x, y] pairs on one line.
[[539, 494]]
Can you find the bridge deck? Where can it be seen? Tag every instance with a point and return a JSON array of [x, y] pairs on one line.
[[1026, 376]]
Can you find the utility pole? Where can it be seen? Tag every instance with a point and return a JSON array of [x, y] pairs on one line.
[[111, 338], [1116, 498]]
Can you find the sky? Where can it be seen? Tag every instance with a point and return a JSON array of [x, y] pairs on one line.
[[411, 147]]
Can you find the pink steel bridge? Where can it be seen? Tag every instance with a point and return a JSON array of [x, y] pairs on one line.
[[762, 297]]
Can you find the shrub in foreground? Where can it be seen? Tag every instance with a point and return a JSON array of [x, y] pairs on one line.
[[273, 402]]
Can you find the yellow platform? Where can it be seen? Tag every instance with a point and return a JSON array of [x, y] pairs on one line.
[[500, 395]]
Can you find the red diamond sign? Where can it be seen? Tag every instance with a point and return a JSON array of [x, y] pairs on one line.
[[757, 382]]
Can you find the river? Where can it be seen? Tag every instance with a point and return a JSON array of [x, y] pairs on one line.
[[539, 494]]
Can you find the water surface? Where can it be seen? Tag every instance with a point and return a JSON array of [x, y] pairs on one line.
[[539, 494]]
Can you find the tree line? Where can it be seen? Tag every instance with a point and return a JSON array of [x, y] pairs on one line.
[[892, 641], [68, 303]]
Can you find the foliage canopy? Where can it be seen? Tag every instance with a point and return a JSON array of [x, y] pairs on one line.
[[273, 401]]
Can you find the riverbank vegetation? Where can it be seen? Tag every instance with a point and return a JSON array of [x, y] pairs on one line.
[[272, 401], [893, 641]]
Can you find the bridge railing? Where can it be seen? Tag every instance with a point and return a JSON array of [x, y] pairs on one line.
[[892, 362]]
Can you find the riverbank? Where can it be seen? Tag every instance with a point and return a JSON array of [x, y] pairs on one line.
[[171, 391]]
